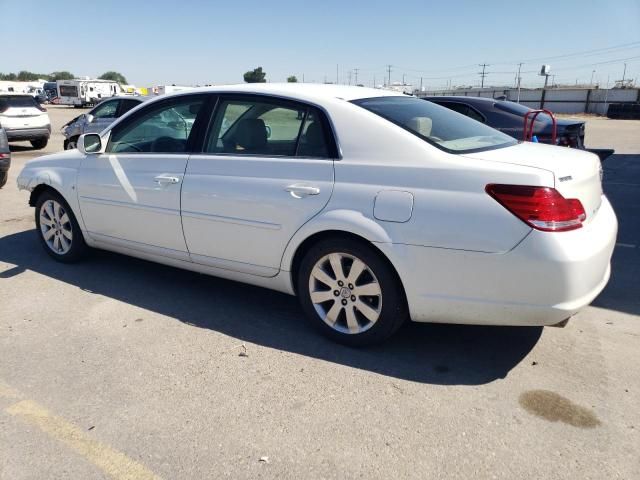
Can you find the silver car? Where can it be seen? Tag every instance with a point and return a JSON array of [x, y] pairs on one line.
[[98, 118]]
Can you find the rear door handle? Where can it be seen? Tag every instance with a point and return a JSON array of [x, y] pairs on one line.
[[165, 179], [300, 191]]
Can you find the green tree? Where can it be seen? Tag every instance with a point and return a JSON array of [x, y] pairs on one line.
[[64, 75], [8, 76], [115, 76], [255, 76], [26, 76], [292, 79]]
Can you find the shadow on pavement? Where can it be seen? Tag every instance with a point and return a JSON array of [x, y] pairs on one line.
[[429, 353], [622, 187]]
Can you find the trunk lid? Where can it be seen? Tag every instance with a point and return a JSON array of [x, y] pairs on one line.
[[578, 174]]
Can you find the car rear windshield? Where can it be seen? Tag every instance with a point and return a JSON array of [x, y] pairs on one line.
[[16, 101], [439, 126], [520, 110]]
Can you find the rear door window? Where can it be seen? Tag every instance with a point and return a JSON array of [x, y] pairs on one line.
[[126, 105], [267, 127]]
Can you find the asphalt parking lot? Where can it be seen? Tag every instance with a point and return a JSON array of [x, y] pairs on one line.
[[120, 368]]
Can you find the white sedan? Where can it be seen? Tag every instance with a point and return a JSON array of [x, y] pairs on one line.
[[373, 207]]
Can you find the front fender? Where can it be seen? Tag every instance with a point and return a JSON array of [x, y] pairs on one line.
[[349, 221]]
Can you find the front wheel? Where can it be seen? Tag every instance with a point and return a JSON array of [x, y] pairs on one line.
[[39, 143], [58, 229], [350, 292], [71, 144]]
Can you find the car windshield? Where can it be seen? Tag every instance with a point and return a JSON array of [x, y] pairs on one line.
[[16, 101], [439, 126], [520, 110]]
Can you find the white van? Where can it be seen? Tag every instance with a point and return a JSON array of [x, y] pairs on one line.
[[82, 93]]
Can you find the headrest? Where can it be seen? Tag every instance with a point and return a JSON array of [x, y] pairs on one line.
[[421, 125], [251, 134]]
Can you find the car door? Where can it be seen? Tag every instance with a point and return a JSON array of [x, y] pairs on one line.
[[101, 116], [266, 168], [130, 195]]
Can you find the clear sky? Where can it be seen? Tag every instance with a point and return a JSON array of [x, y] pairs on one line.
[[196, 42]]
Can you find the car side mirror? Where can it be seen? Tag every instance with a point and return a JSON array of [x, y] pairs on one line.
[[88, 117], [90, 143], [268, 131]]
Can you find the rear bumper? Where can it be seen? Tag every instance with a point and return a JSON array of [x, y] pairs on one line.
[[547, 278], [28, 133]]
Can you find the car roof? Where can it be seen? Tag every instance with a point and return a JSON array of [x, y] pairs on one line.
[[462, 98], [302, 91]]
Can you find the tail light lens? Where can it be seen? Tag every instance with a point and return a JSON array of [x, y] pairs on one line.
[[542, 208]]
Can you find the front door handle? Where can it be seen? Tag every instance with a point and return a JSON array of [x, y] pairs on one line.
[[300, 191], [165, 179]]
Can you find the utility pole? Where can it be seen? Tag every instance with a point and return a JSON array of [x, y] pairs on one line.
[[355, 71], [337, 75], [420, 83], [483, 74], [519, 79], [591, 82], [374, 81], [303, 78], [389, 75], [624, 72], [349, 75], [403, 79]]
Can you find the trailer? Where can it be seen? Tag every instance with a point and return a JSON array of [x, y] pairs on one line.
[[83, 93]]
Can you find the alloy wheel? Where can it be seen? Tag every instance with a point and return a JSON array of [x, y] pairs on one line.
[[345, 293], [55, 227]]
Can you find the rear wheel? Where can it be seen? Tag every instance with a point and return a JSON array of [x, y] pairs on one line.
[[39, 143], [3, 178], [58, 228], [350, 292]]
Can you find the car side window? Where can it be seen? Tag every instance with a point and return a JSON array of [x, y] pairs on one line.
[[463, 109], [106, 109], [265, 126], [473, 113], [126, 105], [162, 128]]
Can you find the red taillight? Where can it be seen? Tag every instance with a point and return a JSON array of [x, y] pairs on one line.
[[542, 208]]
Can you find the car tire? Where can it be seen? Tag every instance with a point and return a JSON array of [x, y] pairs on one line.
[[3, 178], [71, 143], [40, 143], [58, 229], [354, 307]]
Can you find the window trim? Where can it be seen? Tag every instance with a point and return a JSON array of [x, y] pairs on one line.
[[194, 139], [325, 118]]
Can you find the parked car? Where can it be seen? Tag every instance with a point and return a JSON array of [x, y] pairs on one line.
[[24, 119], [5, 157], [51, 90], [98, 118], [372, 206], [508, 117]]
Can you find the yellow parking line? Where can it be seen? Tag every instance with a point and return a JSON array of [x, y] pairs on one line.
[[112, 462]]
